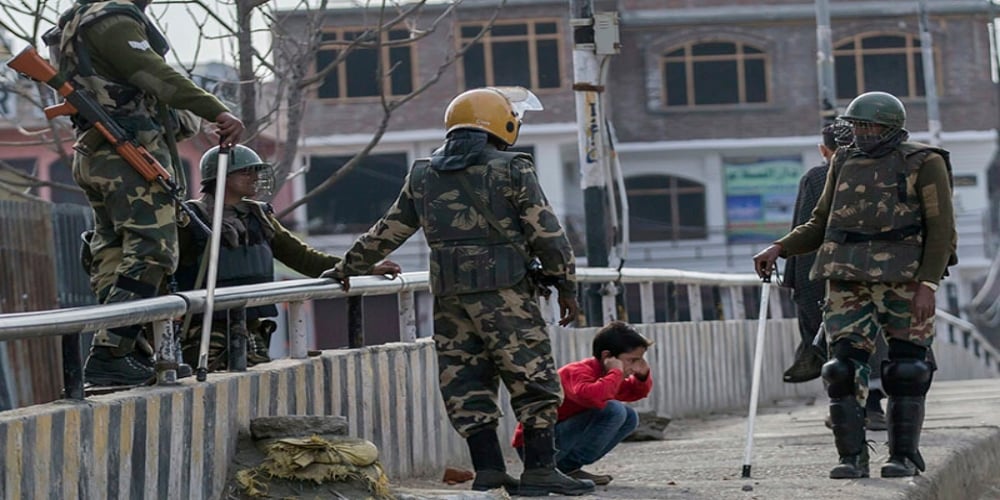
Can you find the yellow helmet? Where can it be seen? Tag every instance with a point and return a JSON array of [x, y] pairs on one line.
[[494, 110]]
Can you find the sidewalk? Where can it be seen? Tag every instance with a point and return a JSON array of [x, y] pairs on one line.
[[793, 453]]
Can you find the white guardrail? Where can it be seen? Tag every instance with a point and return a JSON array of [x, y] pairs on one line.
[[162, 310]]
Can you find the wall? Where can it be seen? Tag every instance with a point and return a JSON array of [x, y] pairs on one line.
[[177, 442]]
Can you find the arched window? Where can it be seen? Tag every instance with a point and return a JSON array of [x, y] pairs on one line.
[[663, 207], [714, 73], [879, 61]]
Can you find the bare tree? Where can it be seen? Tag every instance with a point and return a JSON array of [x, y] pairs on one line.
[[293, 80], [26, 21]]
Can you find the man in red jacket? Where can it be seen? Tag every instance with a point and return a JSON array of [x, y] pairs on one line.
[[592, 418]]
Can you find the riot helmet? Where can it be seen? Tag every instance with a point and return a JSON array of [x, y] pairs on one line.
[[875, 118], [495, 110], [241, 158]]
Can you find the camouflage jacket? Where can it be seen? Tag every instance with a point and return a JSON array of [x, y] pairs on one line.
[[888, 219], [467, 254], [113, 50], [282, 244]]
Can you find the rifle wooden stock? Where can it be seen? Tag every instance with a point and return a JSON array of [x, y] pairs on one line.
[[64, 109], [30, 63]]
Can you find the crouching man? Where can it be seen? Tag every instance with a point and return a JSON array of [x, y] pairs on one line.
[[593, 418]]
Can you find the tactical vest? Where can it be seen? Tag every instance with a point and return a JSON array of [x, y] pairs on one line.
[[467, 254], [133, 109], [249, 263], [874, 232]]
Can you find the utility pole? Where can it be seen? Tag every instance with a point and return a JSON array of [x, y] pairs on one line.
[[993, 168], [595, 38], [930, 81], [824, 64]]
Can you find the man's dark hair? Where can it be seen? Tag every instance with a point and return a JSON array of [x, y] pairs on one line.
[[618, 337]]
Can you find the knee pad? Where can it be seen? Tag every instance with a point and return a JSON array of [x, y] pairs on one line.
[[839, 371], [906, 377], [839, 376]]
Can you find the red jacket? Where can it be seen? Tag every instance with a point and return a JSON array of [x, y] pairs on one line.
[[586, 386]]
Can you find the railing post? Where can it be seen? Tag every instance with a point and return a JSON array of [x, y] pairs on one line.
[[72, 367], [297, 348], [728, 307], [166, 352], [407, 317], [647, 303], [355, 321], [739, 306], [694, 302], [609, 303]]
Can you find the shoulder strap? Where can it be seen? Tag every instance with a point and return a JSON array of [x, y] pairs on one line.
[[488, 215]]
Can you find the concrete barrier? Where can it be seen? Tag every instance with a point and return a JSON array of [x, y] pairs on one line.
[[177, 442]]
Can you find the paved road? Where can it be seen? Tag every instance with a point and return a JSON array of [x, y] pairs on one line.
[[793, 453]]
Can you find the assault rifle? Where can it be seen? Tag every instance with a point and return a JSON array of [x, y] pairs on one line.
[[79, 101]]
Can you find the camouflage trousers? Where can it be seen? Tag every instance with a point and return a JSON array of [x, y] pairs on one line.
[[257, 332], [483, 338], [858, 312], [134, 246]]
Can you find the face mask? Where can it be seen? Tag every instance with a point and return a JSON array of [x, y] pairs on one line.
[[867, 142]]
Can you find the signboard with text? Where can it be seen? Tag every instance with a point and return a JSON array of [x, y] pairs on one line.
[[760, 197]]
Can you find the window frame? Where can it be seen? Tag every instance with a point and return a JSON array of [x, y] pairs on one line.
[[673, 192], [911, 49], [689, 59], [384, 58], [532, 37]]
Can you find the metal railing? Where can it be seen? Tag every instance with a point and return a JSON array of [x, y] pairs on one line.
[[161, 311]]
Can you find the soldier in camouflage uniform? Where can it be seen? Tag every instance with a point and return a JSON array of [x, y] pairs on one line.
[[251, 239], [487, 322], [114, 51], [884, 228]]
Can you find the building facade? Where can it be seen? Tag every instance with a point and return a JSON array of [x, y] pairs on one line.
[[713, 105]]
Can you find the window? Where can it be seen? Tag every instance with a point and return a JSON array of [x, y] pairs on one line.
[[713, 73], [655, 212], [356, 76], [357, 200], [526, 54], [884, 62]]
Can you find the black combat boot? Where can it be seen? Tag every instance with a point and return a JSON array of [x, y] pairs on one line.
[[808, 363], [848, 419], [118, 365], [905, 419], [540, 476], [487, 459]]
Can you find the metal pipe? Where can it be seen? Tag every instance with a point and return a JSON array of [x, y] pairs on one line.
[[297, 348], [824, 64], [355, 322], [72, 357], [221, 170], [930, 80]]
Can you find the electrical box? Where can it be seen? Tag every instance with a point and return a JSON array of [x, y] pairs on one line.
[[606, 41]]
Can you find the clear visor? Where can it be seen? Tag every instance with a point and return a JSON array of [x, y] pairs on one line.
[[265, 180], [264, 184], [521, 100]]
